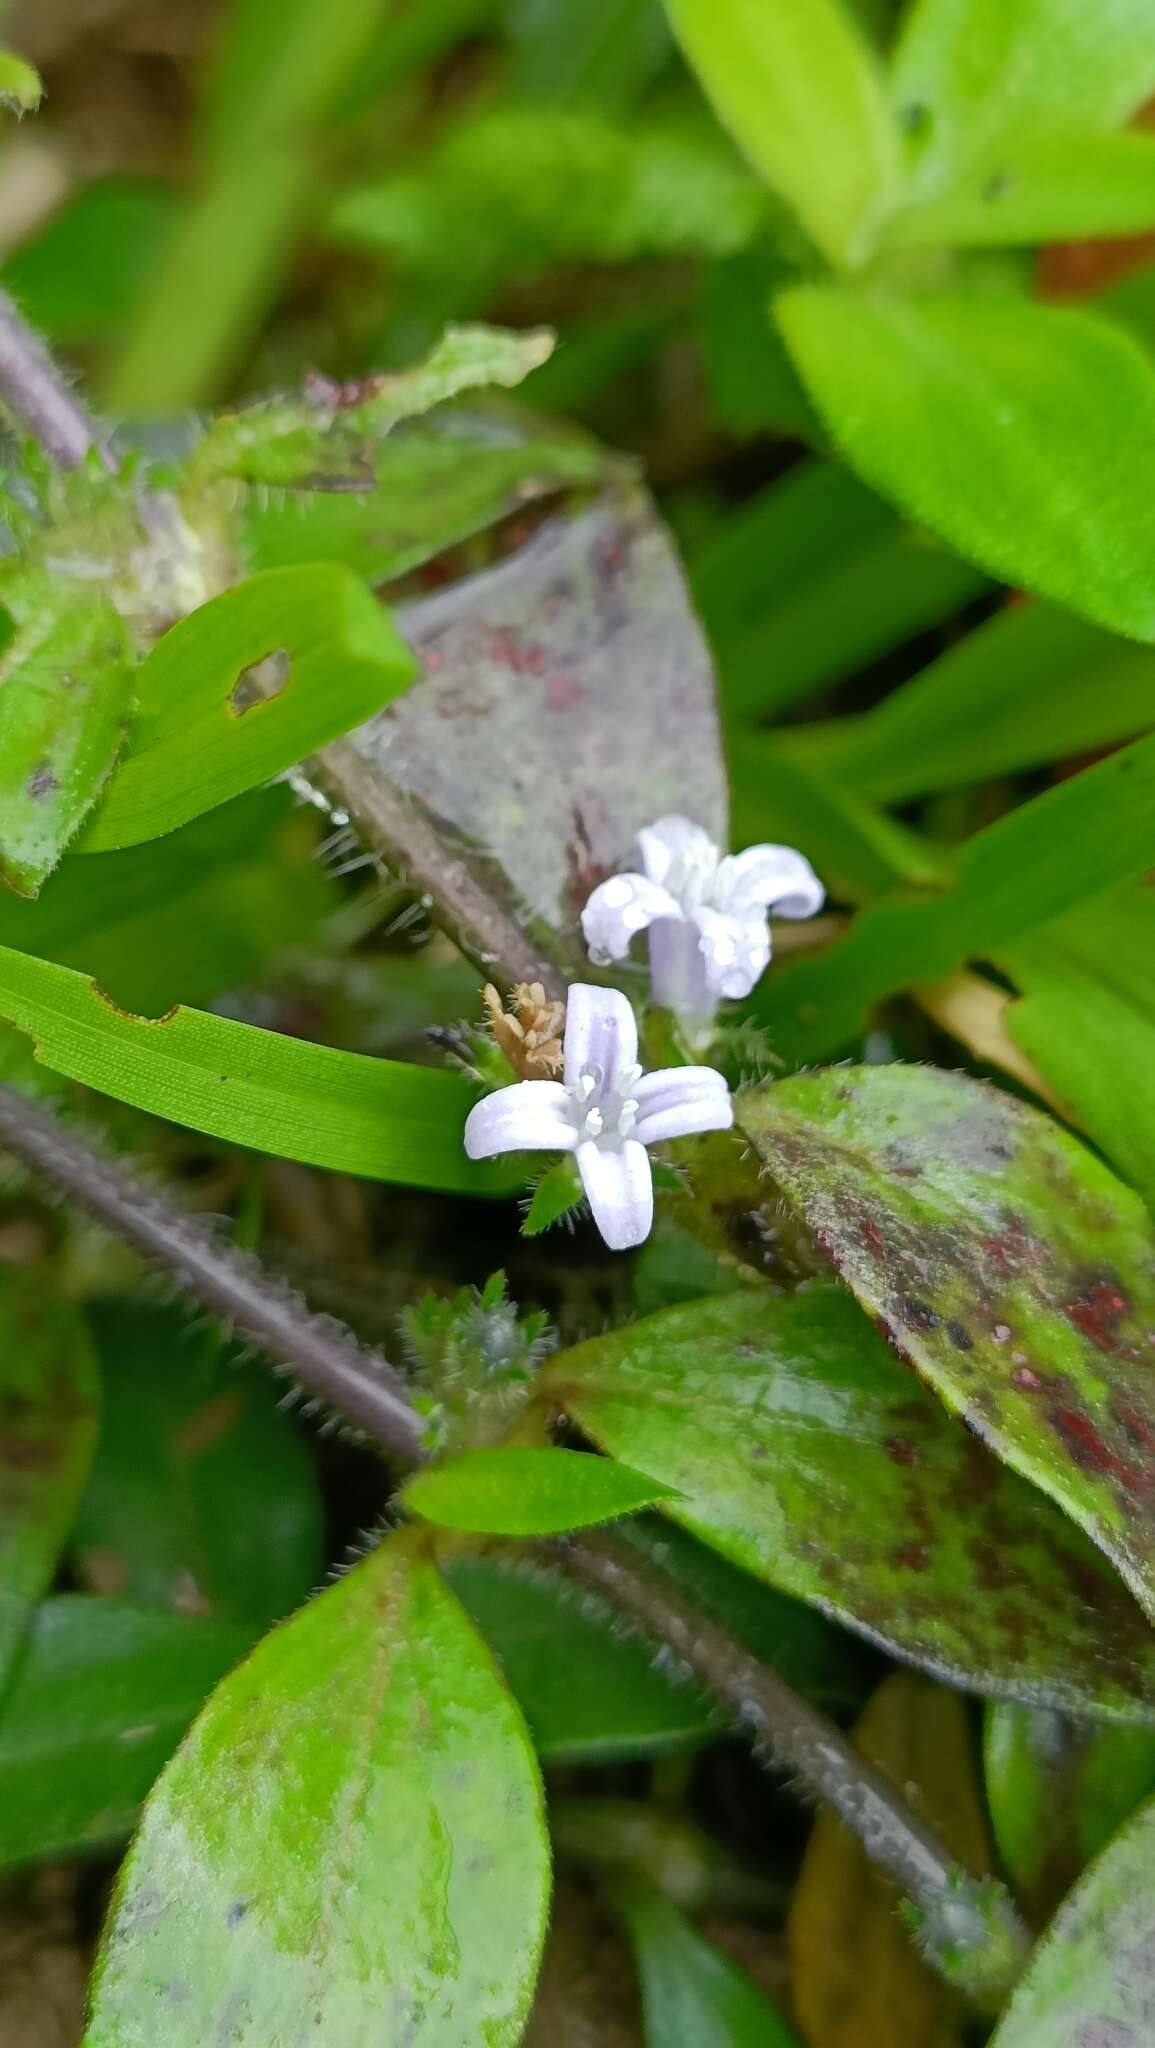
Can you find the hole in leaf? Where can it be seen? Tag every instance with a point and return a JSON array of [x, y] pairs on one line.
[[261, 681]]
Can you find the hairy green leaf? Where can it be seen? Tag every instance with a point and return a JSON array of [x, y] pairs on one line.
[[350, 1840], [245, 687], [690, 1990], [380, 1118], [800, 89], [102, 1695], [1059, 850], [1004, 1260], [784, 1424], [202, 1495], [517, 1491], [66, 687], [21, 87], [1022, 434], [1090, 1978], [49, 1395], [1057, 1790]]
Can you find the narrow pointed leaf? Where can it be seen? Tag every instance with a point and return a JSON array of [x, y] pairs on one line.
[[49, 1393], [803, 1452], [245, 687], [66, 688], [380, 1118], [102, 1695], [1049, 189], [1021, 434], [351, 1840], [1091, 1979], [523, 1492], [1003, 1259], [1057, 1790], [690, 1990]]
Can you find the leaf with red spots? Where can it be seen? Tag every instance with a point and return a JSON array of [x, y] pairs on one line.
[[567, 700], [806, 1454], [48, 1410], [1015, 1272]]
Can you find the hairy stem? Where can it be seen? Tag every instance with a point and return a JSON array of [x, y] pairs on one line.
[[234, 1285], [959, 1917], [970, 1930], [38, 393]]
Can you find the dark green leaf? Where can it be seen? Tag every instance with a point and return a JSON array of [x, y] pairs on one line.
[[101, 1697], [244, 688], [351, 1840], [516, 1491], [971, 77], [691, 1992], [1090, 1978], [785, 1425], [1057, 1790], [1022, 434], [380, 1118], [202, 1494], [1002, 1258], [525, 662], [66, 687], [186, 917], [80, 277], [1056, 851], [859, 851], [49, 1394], [558, 1191], [601, 54], [800, 89], [589, 1693]]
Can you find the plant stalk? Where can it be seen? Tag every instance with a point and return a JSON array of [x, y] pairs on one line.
[[38, 393]]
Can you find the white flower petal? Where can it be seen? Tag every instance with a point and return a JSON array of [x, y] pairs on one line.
[[678, 976], [531, 1116], [672, 842], [601, 1034], [620, 1189], [679, 1100], [618, 910], [765, 876], [736, 950]]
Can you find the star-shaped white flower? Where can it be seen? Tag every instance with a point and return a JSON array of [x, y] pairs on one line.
[[605, 1111], [705, 911]]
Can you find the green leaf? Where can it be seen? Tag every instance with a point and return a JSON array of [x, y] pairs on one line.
[[533, 650], [1033, 684], [189, 916], [202, 1494], [1059, 850], [80, 277], [102, 1695], [814, 578], [21, 87], [326, 439], [380, 1118], [517, 1491], [783, 1423], [1086, 1018], [245, 687], [1021, 434], [859, 851], [49, 1396], [66, 685], [433, 484], [691, 1992], [590, 1694], [1042, 189], [971, 77], [520, 188], [1003, 1259], [351, 1839], [1057, 1790], [1090, 1977], [601, 54], [558, 1192], [800, 89]]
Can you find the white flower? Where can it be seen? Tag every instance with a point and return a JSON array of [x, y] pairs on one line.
[[605, 1110], [706, 913]]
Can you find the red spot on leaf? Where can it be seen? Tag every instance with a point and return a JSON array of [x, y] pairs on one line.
[[1097, 1311]]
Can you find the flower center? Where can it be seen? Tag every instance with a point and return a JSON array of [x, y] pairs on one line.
[[692, 877], [603, 1114]]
